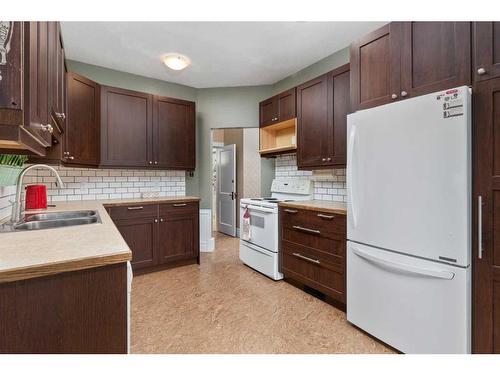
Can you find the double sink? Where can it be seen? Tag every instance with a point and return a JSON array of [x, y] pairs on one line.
[[49, 220]]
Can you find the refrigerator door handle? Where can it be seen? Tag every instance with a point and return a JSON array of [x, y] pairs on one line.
[[404, 267], [480, 227], [350, 182]]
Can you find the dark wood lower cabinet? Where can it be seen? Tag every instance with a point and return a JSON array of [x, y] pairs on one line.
[[159, 236], [140, 235], [312, 250], [486, 248], [74, 312]]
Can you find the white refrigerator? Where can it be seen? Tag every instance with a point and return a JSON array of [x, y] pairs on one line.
[[409, 222]]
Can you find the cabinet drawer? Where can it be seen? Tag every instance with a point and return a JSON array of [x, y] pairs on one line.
[[324, 222], [334, 244], [178, 207], [308, 267], [133, 211]]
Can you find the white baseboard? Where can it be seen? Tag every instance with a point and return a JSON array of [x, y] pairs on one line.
[[207, 246], [207, 242]]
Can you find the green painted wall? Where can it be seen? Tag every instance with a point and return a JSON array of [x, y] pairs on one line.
[[225, 107], [130, 81], [320, 67]]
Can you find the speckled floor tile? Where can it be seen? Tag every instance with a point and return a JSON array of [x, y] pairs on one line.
[[222, 306]]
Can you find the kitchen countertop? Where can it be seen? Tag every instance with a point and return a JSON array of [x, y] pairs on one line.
[[28, 254], [318, 205]]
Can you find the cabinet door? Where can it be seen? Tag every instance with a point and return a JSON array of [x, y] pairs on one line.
[[268, 110], [82, 129], [126, 135], [178, 236], [486, 50], [174, 133], [11, 74], [312, 122], [338, 108], [287, 105], [375, 67], [486, 248], [435, 56], [140, 236], [56, 76], [37, 117]]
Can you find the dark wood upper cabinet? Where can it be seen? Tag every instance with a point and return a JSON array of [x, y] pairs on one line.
[[57, 73], [375, 67], [339, 106], [126, 128], [435, 56], [312, 122], [486, 180], [81, 143], [279, 108], [486, 50], [322, 107], [174, 135]]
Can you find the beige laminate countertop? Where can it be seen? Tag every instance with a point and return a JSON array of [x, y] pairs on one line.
[[28, 254], [318, 205]]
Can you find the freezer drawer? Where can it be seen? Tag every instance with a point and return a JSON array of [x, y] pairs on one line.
[[414, 305]]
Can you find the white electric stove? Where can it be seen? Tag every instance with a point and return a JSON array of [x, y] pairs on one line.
[[260, 251]]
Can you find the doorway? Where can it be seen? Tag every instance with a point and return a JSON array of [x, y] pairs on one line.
[[237, 172]]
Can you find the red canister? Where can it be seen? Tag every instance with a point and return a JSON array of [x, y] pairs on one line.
[[36, 197]]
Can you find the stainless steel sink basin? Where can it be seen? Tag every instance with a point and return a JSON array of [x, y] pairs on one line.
[[48, 220], [46, 224], [60, 215]]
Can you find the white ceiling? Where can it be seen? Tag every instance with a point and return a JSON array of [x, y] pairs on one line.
[[223, 54]]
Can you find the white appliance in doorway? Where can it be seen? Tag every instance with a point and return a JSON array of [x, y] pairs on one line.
[[409, 222], [226, 190], [260, 251]]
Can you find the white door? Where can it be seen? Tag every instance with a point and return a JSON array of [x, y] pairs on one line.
[[226, 189], [414, 305], [408, 176]]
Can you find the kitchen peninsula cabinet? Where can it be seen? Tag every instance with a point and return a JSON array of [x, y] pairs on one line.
[[408, 59], [486, 50], [77, 312], [159, 235], [322, 107], [279, 108]]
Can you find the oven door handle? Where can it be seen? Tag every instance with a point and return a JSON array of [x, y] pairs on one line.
[[256, 208]]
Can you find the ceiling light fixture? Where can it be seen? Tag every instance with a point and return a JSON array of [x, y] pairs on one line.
[[176, 61]]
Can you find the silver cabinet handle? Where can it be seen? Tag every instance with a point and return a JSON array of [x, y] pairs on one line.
[[328, 217], [161, 220], [135, 208], [394, 96], [480, 227], [297, 227], [323, 159], [481, 71], [180, 204], [291, 211], [61, 115], [150, 162], [316, 261], [156, 162], [47, 128], [328, 159], [156, 220], [71, 157], [403, 93]]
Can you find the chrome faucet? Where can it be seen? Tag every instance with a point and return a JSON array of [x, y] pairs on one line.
[[17, 206]]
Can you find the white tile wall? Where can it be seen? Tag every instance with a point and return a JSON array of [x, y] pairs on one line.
[[329, 185], [92, 184]]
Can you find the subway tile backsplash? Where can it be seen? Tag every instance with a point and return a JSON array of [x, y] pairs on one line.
[[329, 185], [93, 184]]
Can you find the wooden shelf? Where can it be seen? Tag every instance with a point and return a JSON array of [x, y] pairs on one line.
[[278, 138]]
